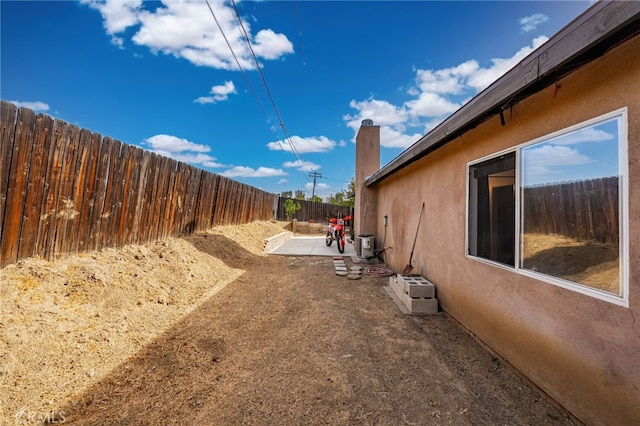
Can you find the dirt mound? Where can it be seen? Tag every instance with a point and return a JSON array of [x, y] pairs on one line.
[[67, 323]]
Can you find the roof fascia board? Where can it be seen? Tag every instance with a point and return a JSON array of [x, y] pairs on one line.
[[594, 25], [587, 30]]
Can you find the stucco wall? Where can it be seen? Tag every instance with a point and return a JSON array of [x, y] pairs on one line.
[[582, 351]]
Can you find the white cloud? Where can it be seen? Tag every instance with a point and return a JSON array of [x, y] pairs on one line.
[[383, 113], [282, 181], [35, 106], [191, 158], [483, 77], [447, 80], [589, 134], [186, 29], [436, 94], [319, 186], [220, 93], [304, 145], [212, 164], [182, 150], [554, 155], [170, 143], [431, 105], [270, 45], [548, 163], [303, 166], [530, 23], [242, 171], [117, 16], [391, 138]]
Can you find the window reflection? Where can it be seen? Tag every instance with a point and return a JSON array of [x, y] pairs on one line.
[[570, 209]]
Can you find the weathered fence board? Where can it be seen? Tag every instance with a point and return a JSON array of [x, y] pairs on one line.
[[46, 229], [135, 235], [163, 206], [8, 114], [79, 185], [35, 186], [154, 200], [220, 201], [109, 213], [585, 210], [67, 217], [126, 163], [16, 194], [91, 153], [314, 211], [136, 173], [100, 187], [17, 184], [212, 189]]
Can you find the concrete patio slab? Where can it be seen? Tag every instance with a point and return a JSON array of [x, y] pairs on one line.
[[311, 246]]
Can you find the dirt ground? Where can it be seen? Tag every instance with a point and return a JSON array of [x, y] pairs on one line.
[[209, 330], [586, 262]]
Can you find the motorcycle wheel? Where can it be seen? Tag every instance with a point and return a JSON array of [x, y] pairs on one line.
[[328, 240], [340, 242]]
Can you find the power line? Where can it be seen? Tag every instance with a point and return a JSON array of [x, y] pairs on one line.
[[314, 173], [266, 86], [337, 180], [255, 95], [244, 74]]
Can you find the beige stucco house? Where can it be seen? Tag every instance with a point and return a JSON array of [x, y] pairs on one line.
[[531, 227]]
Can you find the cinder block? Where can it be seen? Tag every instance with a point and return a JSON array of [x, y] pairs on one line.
[[397, 286], [423, 306], [418, 287], [413, 279], [420, 290]]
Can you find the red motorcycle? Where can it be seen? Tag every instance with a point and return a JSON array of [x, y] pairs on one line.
[[336, 232]]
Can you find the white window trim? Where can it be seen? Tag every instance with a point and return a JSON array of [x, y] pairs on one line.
[[623, 200]]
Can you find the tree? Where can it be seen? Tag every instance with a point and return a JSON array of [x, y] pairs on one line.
[[287, 194], [316, 198], [345, 197], [290, 208], [299, 194]]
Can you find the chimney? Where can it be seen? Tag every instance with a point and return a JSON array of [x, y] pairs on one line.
[[367, 163]]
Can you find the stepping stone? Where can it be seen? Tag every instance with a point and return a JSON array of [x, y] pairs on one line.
[[355, 272], [341, 273], [356, 268], [341, 268], [338, 258], [354, 277]]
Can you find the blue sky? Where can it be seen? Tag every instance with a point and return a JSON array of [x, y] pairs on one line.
[[161, 76]]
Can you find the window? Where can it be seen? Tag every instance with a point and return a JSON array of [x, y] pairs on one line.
[[555, 208], [492, 199]]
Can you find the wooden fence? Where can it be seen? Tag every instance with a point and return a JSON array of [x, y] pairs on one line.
[[585, 210], [66, 190], [314, 211]]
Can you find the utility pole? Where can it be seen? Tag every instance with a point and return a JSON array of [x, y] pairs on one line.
[[314, 175]]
